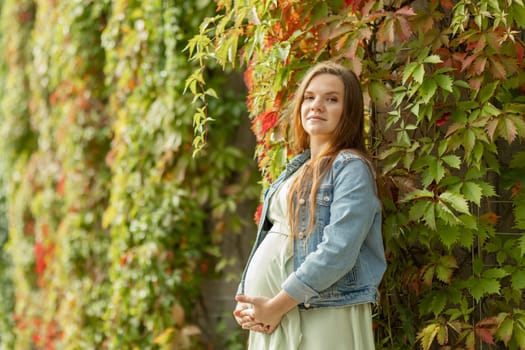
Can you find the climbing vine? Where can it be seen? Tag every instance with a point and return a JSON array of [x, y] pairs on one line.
[[445, 85], [167, 209], [113, 225]]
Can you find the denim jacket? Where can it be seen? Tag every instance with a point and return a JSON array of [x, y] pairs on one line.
[[342, 261]]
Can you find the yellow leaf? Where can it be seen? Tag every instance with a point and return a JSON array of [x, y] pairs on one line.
[[427, 335], [165, 337]]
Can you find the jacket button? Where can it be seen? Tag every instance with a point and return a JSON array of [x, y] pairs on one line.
[[301, 201], [301, 235]]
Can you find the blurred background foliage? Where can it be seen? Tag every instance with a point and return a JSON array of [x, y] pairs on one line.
[[126, 162], [113, 225]]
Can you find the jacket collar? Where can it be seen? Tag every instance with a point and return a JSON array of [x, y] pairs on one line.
[[297, 161]]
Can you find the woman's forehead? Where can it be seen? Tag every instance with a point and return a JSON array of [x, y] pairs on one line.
[[325, 83]]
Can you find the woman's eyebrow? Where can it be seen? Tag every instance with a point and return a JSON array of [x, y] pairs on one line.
[[324, 93]]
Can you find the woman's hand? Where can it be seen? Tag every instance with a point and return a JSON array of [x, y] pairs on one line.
[[259, 317], [243, 314], [265, 313]]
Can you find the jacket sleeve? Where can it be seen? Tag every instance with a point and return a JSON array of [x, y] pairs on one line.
[[352, 213]]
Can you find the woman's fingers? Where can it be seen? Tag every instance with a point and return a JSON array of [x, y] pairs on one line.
[[252, 324], [242, 313]]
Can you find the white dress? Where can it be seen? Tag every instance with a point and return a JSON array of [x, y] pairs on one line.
[[343, 328]]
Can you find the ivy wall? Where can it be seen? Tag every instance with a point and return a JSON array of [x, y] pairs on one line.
[[121, 180], [113, 224], [445, 85]]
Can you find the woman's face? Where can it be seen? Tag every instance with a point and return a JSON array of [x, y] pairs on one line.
[[322, 106]]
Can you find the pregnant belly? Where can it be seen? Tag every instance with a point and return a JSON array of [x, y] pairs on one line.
[[267, 269]]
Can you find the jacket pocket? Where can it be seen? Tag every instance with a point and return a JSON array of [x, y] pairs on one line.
[[323, 200]]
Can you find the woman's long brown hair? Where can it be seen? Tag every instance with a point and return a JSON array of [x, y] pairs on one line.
[[348, 135]]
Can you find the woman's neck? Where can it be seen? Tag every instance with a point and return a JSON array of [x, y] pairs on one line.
[[318, 148]]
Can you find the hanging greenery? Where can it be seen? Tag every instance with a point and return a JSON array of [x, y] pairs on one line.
[[445, 84], [167, 210], [113, 225]]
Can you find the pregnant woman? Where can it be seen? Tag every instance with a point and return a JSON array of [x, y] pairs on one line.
[[318, 258]]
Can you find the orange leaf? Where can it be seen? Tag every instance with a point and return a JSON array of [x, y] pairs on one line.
[[475, 83], [491, 218], [385, 33], [509, 130], [467, 61], [497, 69], [178, 314], [478, 66]]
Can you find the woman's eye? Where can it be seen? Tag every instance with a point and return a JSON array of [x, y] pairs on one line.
[[332, 99], [308, 97]]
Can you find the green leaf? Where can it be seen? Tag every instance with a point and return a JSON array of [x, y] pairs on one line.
[[436, 169], [419, 73], [482, 287], [418, 210], [487, 91], [469, 140], [452, 160], [438, 303], [518, 279], [517, 12], [456, 201], [211, 92], [445, 268], [522, 243], [319, 11], [518, 160], [472, 192], [428, 90], [495, 273], [504, 331], [487, 189], [433, 59], [430, 216], [408, 71], [379, 93], [444, 82], [449, 236]]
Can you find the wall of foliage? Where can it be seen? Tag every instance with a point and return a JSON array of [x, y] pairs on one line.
[[113, 225], [445, 83]]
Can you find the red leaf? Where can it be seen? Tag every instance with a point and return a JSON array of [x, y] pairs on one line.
[[485, 335], [354, 3], [467, 61], [519, 52], [248, 76], [443, 119], [61, 185], [406, 11], [269, 120], [447, 4], [404, 31], [257, 215]]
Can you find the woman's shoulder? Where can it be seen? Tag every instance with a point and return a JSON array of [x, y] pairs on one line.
[[347, 155], [354, 159]]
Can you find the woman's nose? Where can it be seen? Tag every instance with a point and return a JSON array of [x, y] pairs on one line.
[[317, 103]]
